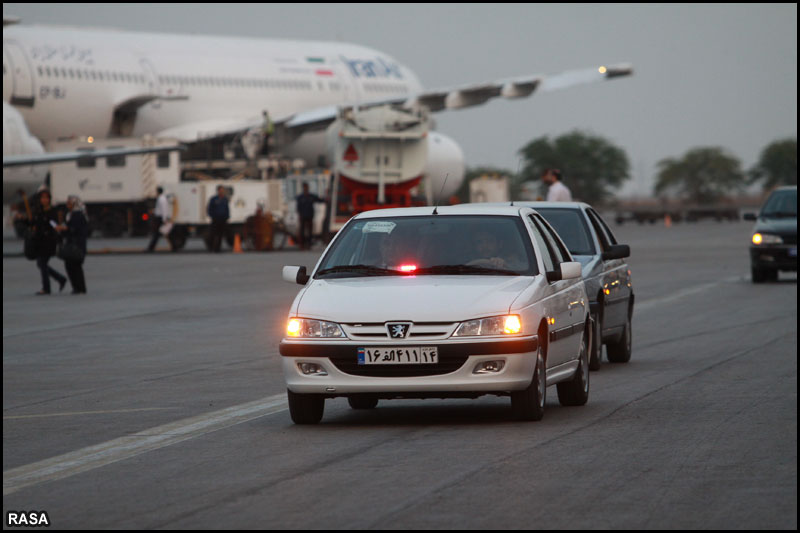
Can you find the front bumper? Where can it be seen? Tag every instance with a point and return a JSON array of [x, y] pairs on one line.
[[778, 257], [452, 374]]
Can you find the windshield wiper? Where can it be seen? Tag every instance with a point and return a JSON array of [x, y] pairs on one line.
[[366, 270], [466, 269]]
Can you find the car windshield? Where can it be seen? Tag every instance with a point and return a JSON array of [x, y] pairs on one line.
[[431, 245], [570, 225], [781, 204]]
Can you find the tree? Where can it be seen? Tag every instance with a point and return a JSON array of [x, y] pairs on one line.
[[590, 165], [777, 164], [703, 175]]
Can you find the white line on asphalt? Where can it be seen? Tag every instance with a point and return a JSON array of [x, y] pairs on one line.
[[78, 413], [649, 304], [109, 452], [125, 447]]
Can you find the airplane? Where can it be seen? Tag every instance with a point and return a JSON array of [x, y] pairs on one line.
[[66, 83]]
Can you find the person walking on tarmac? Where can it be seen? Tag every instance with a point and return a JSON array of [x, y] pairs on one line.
[[45, 221], [305, 211], [161, 215], [557, 191], [219, 213], [267, 129], [76, 231]]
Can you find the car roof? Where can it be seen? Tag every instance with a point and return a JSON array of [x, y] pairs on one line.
[[537, 205], [460, 209]]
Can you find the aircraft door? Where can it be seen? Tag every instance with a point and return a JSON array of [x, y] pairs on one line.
[[15, 60], [153, 84]]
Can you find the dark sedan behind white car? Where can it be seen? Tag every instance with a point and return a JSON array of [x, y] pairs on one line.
[[605, 272]]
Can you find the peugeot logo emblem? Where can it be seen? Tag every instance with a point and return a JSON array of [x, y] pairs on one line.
[[398, 330]]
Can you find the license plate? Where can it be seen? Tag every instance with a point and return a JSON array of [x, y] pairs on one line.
[[391, 355], [793, 252]]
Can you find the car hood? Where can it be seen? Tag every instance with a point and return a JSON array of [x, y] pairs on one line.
[[413, 298], [778, 226]]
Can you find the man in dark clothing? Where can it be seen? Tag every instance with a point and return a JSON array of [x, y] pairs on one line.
[[219, 213], [305, 210], [44, 225]]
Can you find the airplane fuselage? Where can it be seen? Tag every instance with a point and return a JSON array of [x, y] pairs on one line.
[[72, 83]]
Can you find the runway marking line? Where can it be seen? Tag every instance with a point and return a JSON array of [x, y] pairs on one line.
[[92, 457], [78, 413], [122, 448]]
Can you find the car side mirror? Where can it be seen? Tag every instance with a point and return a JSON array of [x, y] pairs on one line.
[[617, 251], [295, 274], [750, 216], [567, 270]]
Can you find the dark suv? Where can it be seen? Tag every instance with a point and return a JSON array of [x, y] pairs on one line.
[[773, 246]]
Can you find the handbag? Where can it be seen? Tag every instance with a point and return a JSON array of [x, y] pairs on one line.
[[69, 251]]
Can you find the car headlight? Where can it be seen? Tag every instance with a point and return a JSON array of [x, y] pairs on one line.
[[312, 329], [496, 325], [766, 238]]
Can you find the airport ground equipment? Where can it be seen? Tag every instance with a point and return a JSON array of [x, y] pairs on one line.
[[489, 189], [378, 157], [118, 191]]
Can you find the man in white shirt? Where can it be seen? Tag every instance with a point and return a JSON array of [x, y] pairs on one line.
[[558, 192], [161, 214]]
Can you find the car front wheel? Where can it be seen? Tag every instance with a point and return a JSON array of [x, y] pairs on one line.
[[528, 404], [306, 408]]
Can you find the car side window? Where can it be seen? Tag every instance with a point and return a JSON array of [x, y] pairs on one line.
[[605, 244], [606, 229], [544, 247], [555, 240]]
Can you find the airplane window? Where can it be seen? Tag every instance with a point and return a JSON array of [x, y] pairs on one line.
[[47, 70], [78, 74], [71, 73], [114, 76]]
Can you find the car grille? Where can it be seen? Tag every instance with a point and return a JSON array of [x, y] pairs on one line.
[[418, 331]]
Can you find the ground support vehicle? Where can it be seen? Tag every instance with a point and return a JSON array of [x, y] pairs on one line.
[[456, 301], [118, 191]]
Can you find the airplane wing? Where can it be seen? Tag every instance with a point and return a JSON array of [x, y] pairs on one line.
[[434, 100], [58, 157], [475, 94]]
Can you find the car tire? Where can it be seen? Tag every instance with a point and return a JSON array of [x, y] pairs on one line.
[[596, 352], [576, 391], [306, 408], [620, 351], [362, 402], [528, 404]]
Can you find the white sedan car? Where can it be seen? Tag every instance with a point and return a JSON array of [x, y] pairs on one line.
[[448, 302]]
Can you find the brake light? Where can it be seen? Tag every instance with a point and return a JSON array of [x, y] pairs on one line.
[[408, 268]]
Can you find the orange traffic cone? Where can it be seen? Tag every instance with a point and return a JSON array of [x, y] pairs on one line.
[[667, 221], [237, 244]]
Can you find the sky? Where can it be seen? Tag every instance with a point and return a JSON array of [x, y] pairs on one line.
[[705, 74]]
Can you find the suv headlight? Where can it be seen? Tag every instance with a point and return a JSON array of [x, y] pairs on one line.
[[312, 329], [766, 238], [496, 325]]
